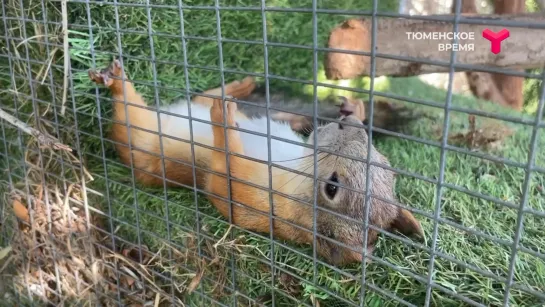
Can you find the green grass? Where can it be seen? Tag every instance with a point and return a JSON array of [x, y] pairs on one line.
[[253, 276]]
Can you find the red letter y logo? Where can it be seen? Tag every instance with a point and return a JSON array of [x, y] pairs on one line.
[[495, 39]]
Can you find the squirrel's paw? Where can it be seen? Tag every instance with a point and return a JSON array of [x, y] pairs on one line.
[[104, 76], [248, 82], [243, 88], [352, 107], [216, 113]]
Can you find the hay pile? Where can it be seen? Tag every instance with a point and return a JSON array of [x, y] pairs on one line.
[[57, 245], [59, 252]]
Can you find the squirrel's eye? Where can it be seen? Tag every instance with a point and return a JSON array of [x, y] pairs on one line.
[[331, 189]]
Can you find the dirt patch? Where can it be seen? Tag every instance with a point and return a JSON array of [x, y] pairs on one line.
[[489, 136]]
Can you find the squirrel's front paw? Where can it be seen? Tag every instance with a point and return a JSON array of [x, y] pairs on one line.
[[352, 107], [216, 113], [104, 76]]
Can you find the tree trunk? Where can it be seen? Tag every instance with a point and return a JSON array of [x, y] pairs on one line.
[[481, 84], [525, 48], [510, 87]]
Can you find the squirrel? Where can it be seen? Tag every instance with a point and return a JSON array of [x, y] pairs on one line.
[[292, 204]]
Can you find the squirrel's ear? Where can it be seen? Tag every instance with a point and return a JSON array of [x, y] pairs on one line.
[[407, 224]]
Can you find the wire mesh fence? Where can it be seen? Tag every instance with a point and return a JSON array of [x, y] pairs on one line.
[[261, 190]]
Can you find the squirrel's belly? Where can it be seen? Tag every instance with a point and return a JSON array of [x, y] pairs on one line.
[[282, 152], [255, 146]]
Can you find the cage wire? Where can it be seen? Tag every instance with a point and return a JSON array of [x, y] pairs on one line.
[[78, 228]]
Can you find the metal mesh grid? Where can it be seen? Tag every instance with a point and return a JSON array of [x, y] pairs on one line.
[[13, 59]]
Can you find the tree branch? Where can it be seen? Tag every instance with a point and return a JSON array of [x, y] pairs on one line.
[[42, 138]]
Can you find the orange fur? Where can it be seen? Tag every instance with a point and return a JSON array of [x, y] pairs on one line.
[[250, 207], [148, 166], [255, 210], [146, 146]]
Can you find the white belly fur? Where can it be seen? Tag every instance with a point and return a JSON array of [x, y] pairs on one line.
[[255, 146]]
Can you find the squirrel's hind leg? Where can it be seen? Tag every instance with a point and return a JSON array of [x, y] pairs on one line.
[[129, 109], [236, 89], [128, 103], [114, 78]]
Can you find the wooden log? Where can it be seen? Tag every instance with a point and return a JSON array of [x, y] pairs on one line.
[[524, 48]]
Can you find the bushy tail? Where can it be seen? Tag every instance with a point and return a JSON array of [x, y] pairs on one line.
[[298, 110]]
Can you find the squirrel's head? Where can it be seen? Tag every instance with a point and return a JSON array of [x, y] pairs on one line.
[[341, 193]]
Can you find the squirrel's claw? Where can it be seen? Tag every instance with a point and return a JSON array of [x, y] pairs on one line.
[[105, 75]]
